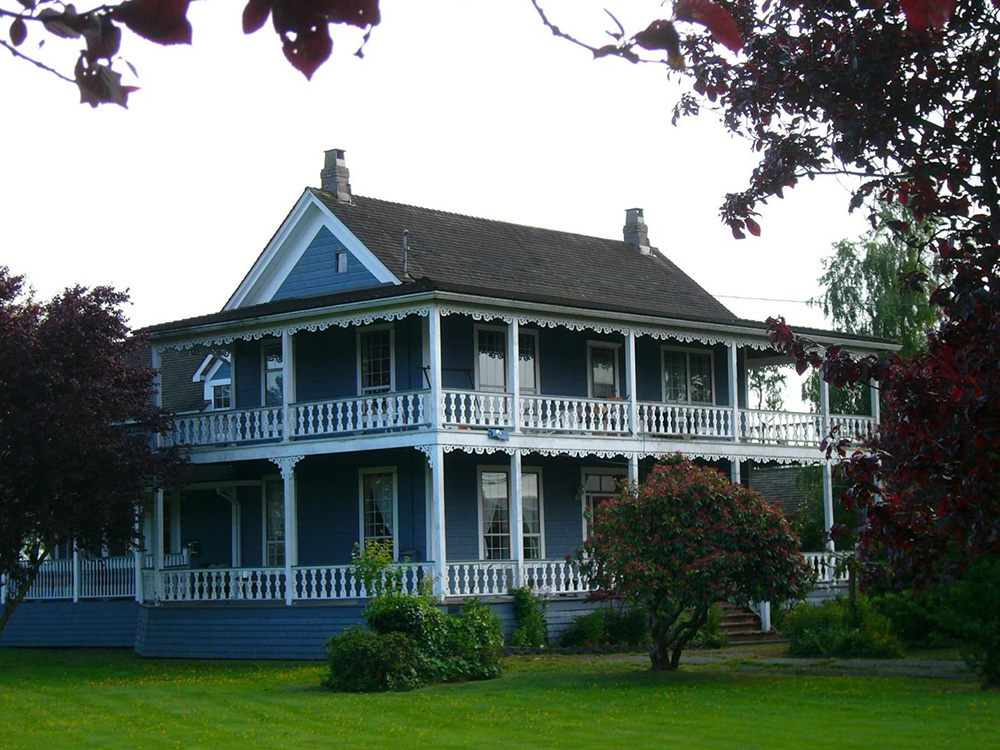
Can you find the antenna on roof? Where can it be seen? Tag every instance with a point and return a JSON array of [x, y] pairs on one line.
[[406, 250]]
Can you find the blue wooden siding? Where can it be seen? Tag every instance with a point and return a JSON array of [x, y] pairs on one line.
[[206, 518], [316, 271], [87, 624], [246, 355], [326, 364], [251, 500], [457, 352]]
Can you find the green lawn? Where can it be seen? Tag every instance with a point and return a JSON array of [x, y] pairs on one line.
[[55, 699]]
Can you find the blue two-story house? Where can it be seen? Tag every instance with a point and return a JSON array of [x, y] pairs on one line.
[[466, 389]]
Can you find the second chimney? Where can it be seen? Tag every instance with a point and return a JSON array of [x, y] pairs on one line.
[[635, 231], [335, 177]]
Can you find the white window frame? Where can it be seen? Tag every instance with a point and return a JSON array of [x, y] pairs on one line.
[[276, 479], [364, 330], [510, 528], [362, 473], [506, 369], [604, 471], [264, 346], [591, 345], [688, 351]]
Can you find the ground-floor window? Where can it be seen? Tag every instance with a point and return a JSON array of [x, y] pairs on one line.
[[378, 505], [274, 523], [598, 485], [494, 499]]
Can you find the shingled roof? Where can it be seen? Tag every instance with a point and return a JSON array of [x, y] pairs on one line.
[[524, 262]]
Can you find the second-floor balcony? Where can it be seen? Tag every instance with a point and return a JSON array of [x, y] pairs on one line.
[[535, 415]]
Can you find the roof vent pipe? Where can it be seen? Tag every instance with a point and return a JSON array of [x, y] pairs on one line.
[[406, 251], [636, 233]]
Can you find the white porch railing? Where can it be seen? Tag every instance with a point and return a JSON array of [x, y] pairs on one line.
[[686, 421], [473, 409], [853, 426], [564, 414], [780, 427], [498, 577], [214, 428], [54, 581], [170, 560], [381, 412], [218, 584], [97, 578], [824, 565], [340, 582]]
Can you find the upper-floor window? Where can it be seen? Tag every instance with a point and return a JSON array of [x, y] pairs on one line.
[[222, 396], [378, 506], [273, 375], [688, 376], [491, 360], [375, 360], [603, 376]]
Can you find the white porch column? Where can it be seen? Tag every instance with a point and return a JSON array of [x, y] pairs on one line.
[[765, 617], [139, 554], [828, 502], [516, 516], [514, 372], [434, 365], [157, 541], [734, 389], [633, 470], [824, 406], [287, 385], [633, 402], [287, 466], [735, 471], [76, 573], [876, 407], [435, 464]]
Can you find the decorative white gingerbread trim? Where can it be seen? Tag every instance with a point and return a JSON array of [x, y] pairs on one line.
[[286, 464]]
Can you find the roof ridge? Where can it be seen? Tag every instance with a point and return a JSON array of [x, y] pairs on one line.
[[472, 216]]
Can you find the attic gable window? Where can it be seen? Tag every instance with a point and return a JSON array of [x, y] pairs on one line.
[[341, 261]]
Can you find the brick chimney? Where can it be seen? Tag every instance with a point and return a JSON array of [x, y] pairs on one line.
[[335, 177], [635, 231]]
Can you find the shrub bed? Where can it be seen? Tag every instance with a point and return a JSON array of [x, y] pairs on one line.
[[840, 628]]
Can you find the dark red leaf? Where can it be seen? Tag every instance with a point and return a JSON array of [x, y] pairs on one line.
[[160, 21], [661, 35], [18, 31], [753, 227], [27, 4], [103, 38], [255, 15], [713, 17], [62, 24], [99, 84], [927, 14]]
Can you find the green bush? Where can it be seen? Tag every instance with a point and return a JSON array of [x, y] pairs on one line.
[[529, 611], [410, 641], [974, 612], [607, 626], [838, 628], [710, 636], [362, 661], [920, 620]]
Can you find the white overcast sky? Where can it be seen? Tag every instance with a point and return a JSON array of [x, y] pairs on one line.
[[468, 106]]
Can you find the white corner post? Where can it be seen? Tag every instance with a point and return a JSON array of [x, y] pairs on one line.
[[633, 401], [156, 364], [287, 466], [514, 371], [824, 405], [633, 470], [76, 573], [435, 465], [287, 385], [139, 553], [765, 617], [434, 365], [734, 391], [876, 407], [516, 516], [157, 540], [735, 470]]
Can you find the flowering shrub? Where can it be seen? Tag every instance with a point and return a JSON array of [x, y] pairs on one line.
[[687, 538]]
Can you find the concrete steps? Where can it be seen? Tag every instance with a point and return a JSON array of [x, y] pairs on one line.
[[740, 625]]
